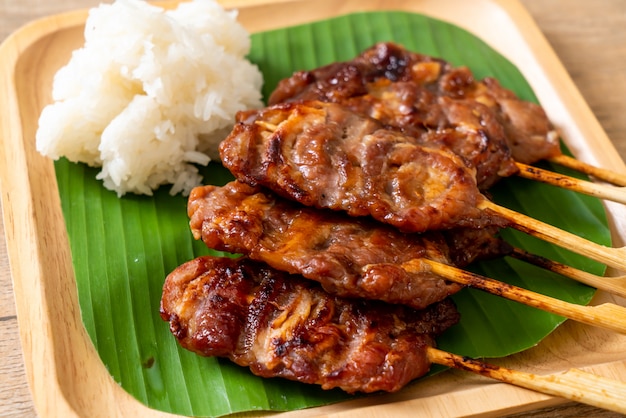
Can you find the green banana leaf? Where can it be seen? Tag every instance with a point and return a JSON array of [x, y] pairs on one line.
[[123, 248]]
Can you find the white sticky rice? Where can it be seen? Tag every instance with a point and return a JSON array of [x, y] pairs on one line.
[[150, 94]]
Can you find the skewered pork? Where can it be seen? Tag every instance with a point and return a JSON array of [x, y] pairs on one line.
[[323, 155], [486, 124], [282, 325], [350, 257]]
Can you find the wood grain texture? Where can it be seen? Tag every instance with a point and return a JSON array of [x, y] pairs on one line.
[[588, 38]]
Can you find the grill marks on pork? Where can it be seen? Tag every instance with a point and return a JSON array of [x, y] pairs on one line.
[[281, 325], [323, 155], [350, 257], [485, 123]]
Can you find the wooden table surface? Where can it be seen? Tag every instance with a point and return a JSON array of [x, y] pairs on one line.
[[589, 37]]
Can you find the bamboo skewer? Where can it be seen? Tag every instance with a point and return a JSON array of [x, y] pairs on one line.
[[615, 285], [601, 191], [607, 315], [574, 384], [603, 174], [614, 257]]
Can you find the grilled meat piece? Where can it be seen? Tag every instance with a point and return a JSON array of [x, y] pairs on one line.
[[282, 325], [350, 257], [530, 135], [323, 155], [487, 125]]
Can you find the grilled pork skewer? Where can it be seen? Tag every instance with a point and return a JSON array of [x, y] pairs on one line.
[[281, 325], [353, 257], [326, 156], [487, 125]]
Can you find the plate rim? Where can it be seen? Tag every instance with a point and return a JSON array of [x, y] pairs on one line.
[[52, 394]]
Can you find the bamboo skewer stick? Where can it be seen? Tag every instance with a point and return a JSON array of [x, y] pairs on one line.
[[603, 174], [614, 257], [574, 384], [607, 315], [601, 191], [615, 285]]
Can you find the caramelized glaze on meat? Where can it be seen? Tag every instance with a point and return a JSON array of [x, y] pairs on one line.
[[326, 156], [350, 257], [281, 325], [486, 124]]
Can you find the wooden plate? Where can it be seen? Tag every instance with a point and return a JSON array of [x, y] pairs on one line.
[[66, 375]]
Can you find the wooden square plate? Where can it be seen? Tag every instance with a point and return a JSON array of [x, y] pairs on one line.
[[66, 375]]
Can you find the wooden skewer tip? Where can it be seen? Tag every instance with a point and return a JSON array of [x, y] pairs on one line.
[[574, 384]]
